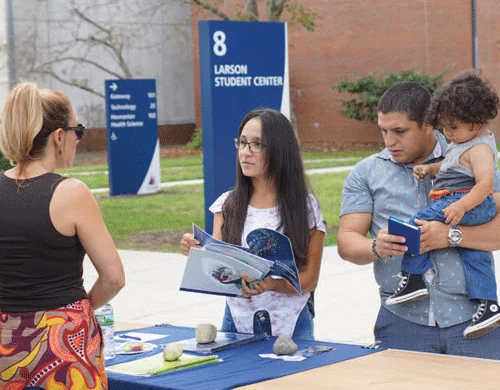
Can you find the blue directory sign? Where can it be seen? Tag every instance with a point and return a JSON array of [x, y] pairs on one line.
[[243, 66], [132, 136]]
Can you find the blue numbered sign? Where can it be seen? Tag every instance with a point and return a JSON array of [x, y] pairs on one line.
[[132, 137], [243, 66]]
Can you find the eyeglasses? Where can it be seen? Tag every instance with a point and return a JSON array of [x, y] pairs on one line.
[[255, 147], [79, 130]]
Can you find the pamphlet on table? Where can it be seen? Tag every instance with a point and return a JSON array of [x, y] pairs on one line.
[[154, 365]]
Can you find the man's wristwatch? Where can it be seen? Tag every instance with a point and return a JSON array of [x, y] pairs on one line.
[[455, 236]]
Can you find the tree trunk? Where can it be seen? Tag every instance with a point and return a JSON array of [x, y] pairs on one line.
[[251, 11], [275, 9]]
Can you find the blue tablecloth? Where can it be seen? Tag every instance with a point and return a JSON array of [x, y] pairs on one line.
[[241, 365]]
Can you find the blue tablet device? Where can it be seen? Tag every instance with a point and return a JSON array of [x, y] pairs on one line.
[[410, 232]]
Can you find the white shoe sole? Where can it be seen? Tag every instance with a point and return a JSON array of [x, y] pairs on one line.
[[473, 332], [414, 296]]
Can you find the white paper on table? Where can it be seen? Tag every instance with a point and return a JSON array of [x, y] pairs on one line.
[[139, 336], [286, 358]]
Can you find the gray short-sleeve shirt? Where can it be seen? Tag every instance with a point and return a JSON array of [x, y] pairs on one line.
[[380, 186]]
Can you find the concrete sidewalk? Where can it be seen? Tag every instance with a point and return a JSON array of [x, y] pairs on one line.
[[346, 298]]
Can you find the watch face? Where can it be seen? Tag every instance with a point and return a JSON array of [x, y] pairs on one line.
[[455, 235]]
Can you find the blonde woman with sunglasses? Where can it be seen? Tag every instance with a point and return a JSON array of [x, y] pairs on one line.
[[49, 337]]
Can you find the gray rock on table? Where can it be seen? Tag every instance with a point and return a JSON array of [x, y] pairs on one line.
[[284, 345], [172, 351], [205, 333]]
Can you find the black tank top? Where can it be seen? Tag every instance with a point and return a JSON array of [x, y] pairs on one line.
[[40, 269]]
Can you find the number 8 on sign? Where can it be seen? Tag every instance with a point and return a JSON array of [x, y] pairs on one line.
[[219, 46]]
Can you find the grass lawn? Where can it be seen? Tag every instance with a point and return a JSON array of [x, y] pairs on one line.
[[328, 191], [156, 222], [344, 154], [189, 168], [95, 179], [153, 222], [164, 163]]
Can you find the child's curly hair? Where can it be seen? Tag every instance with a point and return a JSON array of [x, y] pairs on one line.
[[465, 98]]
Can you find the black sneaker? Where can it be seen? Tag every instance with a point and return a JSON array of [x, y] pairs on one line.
[[411, 288], [487, 318]]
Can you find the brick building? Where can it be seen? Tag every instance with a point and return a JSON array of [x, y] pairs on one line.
[[354, 38]]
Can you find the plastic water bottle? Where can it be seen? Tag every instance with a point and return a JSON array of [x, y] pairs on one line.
[[106, 319], [262, 322]]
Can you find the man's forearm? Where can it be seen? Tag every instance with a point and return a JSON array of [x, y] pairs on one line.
[[484, 237], [355, 248]]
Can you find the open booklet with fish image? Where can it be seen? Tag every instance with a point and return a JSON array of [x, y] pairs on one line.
[[217, 267]]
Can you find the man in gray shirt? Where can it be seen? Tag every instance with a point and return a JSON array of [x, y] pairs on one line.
[[383, 185]]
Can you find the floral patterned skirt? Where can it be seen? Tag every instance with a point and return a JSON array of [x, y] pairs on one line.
[[52, 349]]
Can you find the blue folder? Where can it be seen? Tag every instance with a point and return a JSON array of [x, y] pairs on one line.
[[410, 232]]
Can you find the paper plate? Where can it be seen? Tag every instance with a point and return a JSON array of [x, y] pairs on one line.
[[120, 348]]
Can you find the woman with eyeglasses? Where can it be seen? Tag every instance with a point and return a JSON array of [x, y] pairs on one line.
[[49, 336], [271, 191]]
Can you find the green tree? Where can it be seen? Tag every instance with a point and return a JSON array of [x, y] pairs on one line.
[[369, 90], [196, 141], [4, 163]]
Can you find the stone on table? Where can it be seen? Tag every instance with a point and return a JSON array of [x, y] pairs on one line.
[[172, 351], [205, 333], [284, 345]]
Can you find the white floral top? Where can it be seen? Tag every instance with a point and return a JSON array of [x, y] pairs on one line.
[[283, 309]]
